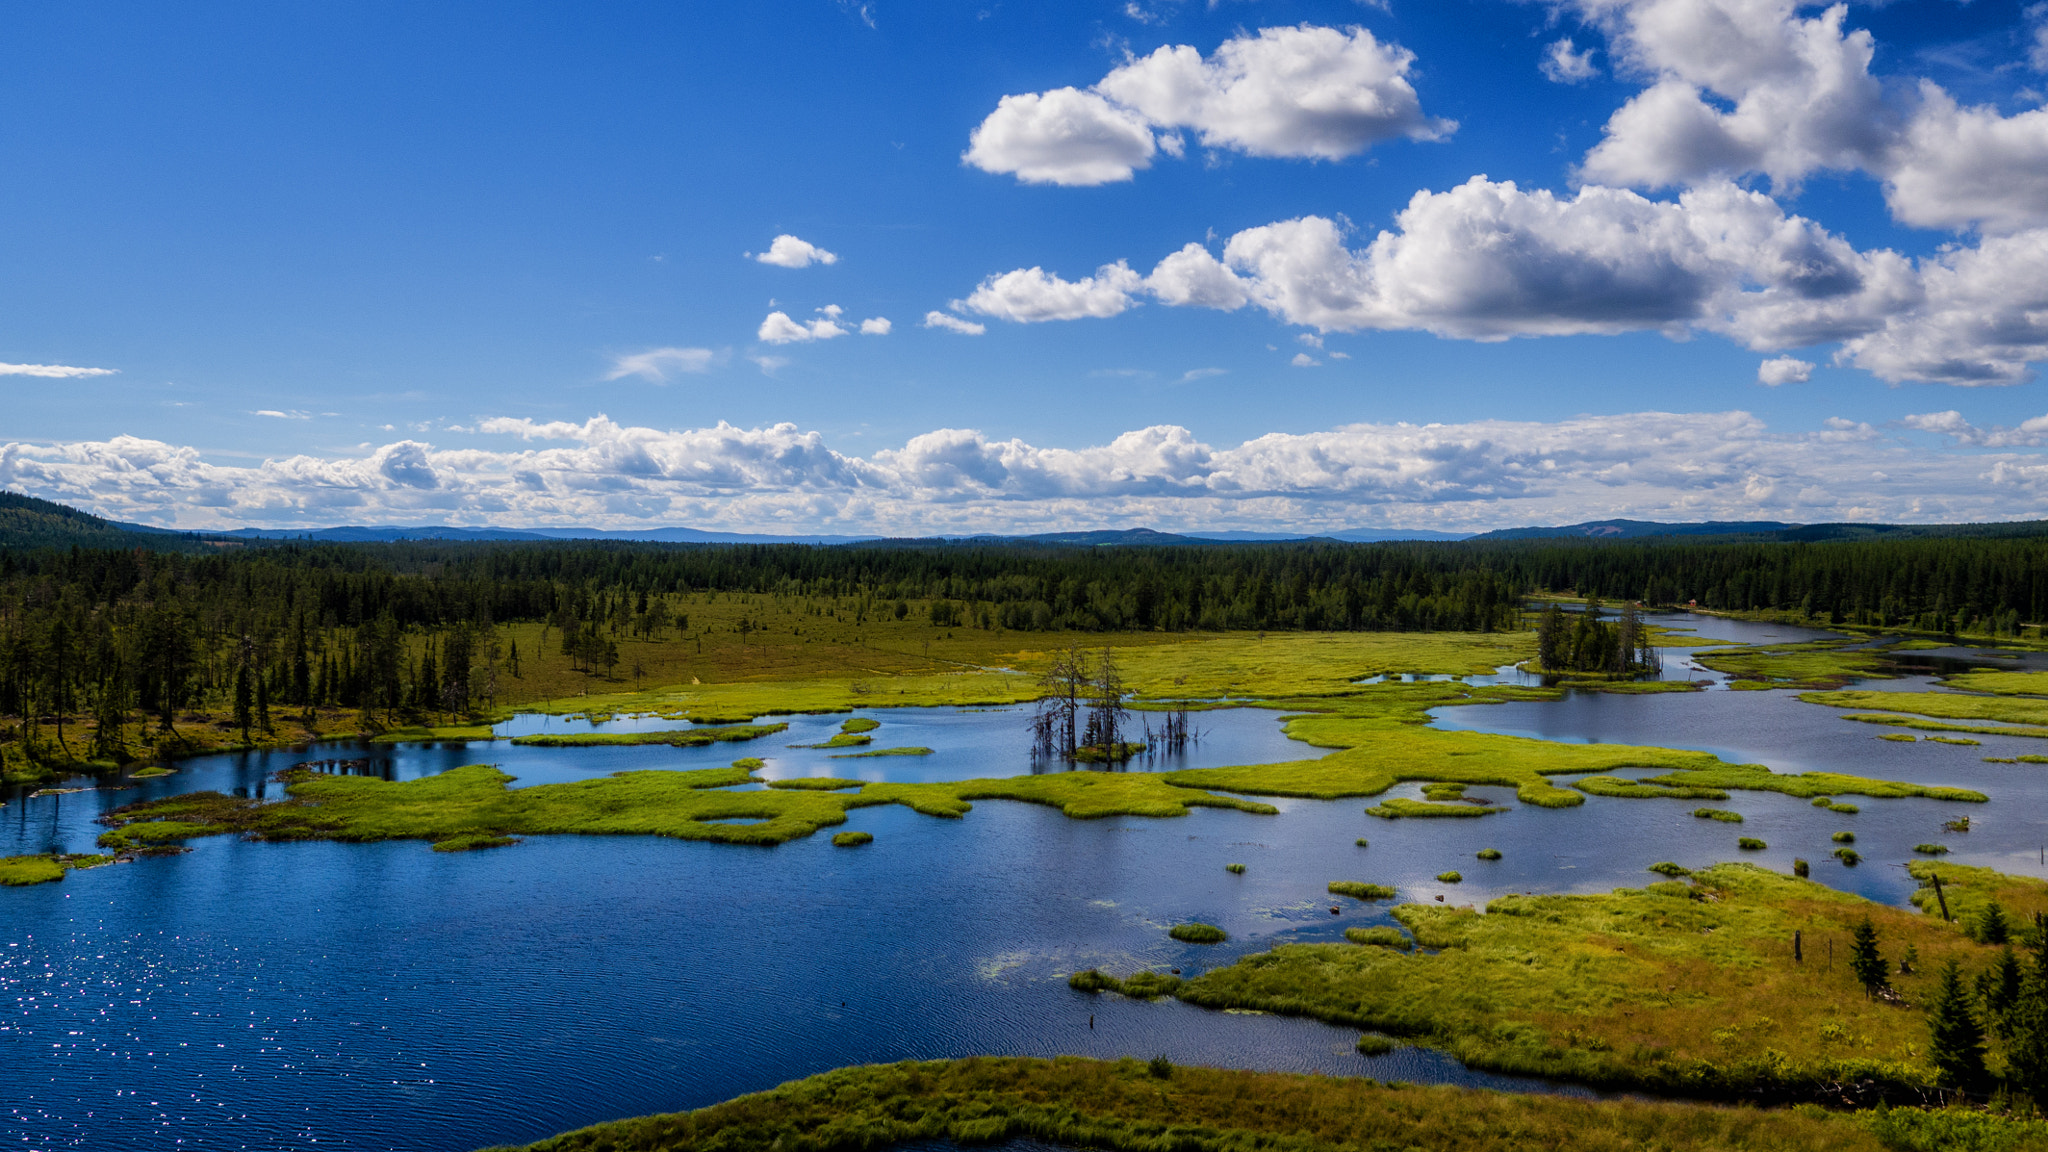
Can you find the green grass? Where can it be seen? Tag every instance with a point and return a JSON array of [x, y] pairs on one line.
[[1198, 933], [21, 871], [1844, 809], [1359, 890], [816, 784], [1820, 664], [1931, 849], [1450, 877], [1899, 737], [1488, 853], [860, 724], [1380, 937], [1374, 1044], [1614, 786], [1400, 806], [2001, 683], [1234, 869], [1751, 844], [1721, 814], [909, 751], [1682, 988], [459, 733], [1964, 740], [1123, 1106], [842, 740], [676, 737], [1848, 856], [1844, 837], [1942, 705], [474, 842], [852, 839], [1081, 795], [1897, 721], [1669, 868], [151, 773], [1137, 986]]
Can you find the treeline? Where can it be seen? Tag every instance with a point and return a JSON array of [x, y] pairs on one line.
[[1952, 585]]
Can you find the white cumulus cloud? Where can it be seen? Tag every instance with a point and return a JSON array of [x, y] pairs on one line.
[[1029, 295], [786, 251], [778, 328], [2030, 433], [1563, 63], [1303, 92], [951, 323], [876, 326], [1784, 370]]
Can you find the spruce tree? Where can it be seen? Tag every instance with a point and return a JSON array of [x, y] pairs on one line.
[[242, 700], [1864, 958], [1992, 927], [2026, 1055], [1956, 1039], [2000, 988]]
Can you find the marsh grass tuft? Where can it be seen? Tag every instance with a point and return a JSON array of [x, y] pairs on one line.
[[1721, 814], [1197, 933], [1931, 849], [1381, 936], [1488, 853], [1848, 856], [1669, 868], [1358, 890], [1844, 809], [1374, 1044], [1234, 869], [1137, 986], [1751, 844], [1843, 837], [1450, 877], [852, 839]]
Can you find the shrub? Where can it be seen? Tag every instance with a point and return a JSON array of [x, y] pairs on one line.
[[1234, 869], [1721, 814], [1198, 933], [1360, 891], [1488, 853], [1844, 837], [1374, 1044], [1160, 1067], [1931, 849], [1450, 877], [1671, 869], [1848, 856], [1751, 844], [1799, 868]]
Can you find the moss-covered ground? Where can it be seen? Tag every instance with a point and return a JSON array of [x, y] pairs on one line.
[[1133, 1106], [1817, 664], [21, 871], [1681, 987]]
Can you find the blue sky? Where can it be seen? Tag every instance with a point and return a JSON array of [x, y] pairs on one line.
[[489, 264]]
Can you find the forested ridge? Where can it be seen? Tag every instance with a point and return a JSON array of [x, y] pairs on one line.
[[417, 629]]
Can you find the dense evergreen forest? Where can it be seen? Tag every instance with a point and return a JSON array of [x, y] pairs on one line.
[[242, 629]]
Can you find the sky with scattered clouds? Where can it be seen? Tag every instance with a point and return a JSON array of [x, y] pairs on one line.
[[817, 265]]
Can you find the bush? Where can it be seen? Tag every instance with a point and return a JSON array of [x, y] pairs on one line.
[[1931, 849], [1374, 1044], [1751, 844], [1450, 877], [1721, 814], [1160, 1067], [1844, 837], [1669, 868], [1488, 853], [1234, 869], [1198, 933], [1848, 856]]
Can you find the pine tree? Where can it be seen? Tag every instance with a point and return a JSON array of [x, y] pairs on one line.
[[2000, 989], [1955, 1038], [1992, 927], [1864, 958], [242, 700], [2026, 1055]]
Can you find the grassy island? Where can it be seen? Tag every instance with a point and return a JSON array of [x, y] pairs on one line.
[[674, 737], [1134, 1106], [1687, 987]]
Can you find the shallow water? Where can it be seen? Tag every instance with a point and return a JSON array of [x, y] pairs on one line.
[[386, 996]]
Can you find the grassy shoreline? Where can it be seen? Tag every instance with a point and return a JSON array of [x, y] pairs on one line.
[[1131, 1106]]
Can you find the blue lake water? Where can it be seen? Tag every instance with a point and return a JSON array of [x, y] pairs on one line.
[[385, 996]]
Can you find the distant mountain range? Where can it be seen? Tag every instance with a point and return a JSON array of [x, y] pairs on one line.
[[27, 522]]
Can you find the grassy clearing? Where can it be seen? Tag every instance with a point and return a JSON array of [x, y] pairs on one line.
[[1125, 1106], [1198, 933], [1682, 988], [674, 737]]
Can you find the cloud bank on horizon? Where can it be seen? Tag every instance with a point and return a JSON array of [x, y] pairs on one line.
[[1472, 476]]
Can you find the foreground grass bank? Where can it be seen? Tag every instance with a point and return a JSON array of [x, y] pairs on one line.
[[1681, 987], [1128, 1106]]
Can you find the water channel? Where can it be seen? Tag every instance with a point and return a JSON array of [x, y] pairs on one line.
[[381, 996]]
